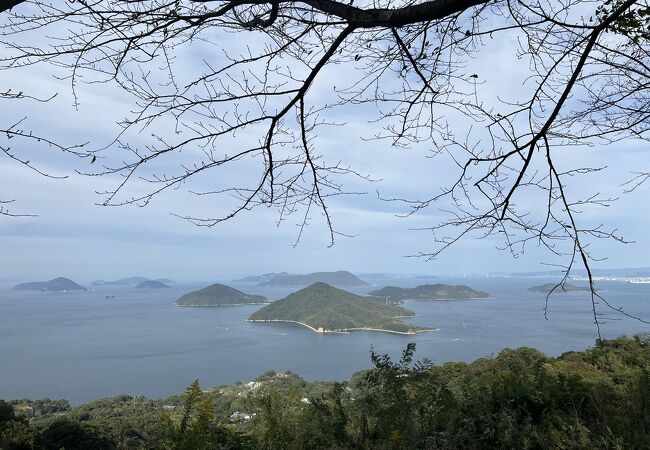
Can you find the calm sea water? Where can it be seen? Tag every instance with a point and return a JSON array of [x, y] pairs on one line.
[[83, 346]]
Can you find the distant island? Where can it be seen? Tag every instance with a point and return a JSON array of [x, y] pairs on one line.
[[429, 292], [128, 281], [151, 284], [219, 295], [326, 309], [59, 284], [566, 287], [340, 278], [261, 278]]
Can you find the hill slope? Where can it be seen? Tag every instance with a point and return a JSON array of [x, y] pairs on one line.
[[325, 308], [59, 284], [340, 278], [218, 295], [429, 292]]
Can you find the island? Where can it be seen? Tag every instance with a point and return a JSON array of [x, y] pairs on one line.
[[59, 284], [340, 278], [325, 309], [559, 288], [261, 278], [219, 295], [429, 292], [151, 284], [120, 282]]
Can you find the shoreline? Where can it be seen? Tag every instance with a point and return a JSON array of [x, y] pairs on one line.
[[345, 330]]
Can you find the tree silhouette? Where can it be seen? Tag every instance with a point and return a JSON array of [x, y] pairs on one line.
[[409, 63]]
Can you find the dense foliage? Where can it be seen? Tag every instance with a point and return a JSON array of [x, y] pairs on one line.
[[598, 398]]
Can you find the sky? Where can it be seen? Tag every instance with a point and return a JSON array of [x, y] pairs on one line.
[[70, 235]]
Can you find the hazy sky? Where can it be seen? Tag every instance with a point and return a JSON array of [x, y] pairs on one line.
[[73, 237]]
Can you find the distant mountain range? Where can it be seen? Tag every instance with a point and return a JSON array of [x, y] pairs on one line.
[[566, 287], [429, 292], [324, 308], [59, 284], [219, 295], [128, 281], [151, 284], [340, 278]]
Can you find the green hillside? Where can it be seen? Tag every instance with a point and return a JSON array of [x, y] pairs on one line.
[[218, 295], [597, 398], [429, 292], [321, 306]]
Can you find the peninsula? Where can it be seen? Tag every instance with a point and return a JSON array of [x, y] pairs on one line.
[[340, 278], [429, 292], [151, 284], [219, 295], [560, 289], [59, 284], [326, 309]]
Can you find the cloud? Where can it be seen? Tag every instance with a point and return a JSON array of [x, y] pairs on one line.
[[75, 236]]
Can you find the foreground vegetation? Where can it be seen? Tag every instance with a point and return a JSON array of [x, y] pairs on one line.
[[598, 398]]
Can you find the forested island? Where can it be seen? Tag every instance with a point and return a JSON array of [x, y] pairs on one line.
[[219, 295], [151, 284], [518, 399], [59, 284], [324, 308], [429, 292], [562, 288], [340, 278]]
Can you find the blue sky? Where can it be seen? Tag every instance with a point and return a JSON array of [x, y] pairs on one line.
[[73, 237]]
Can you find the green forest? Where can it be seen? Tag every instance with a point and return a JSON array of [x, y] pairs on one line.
[[518, 399]]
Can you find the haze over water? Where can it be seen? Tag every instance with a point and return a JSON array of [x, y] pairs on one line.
[[84, 346]]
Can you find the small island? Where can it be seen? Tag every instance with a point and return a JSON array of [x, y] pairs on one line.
[[151, 284], [261, 278], [59, 284], [129, 281], [326, 309], [339, 278], [429, 292], [219, 295], [558, 288], [120, 282]]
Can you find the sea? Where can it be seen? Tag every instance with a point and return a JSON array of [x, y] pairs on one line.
[[114, 340]]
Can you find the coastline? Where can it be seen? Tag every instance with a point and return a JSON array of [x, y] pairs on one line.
[[345, 330]]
